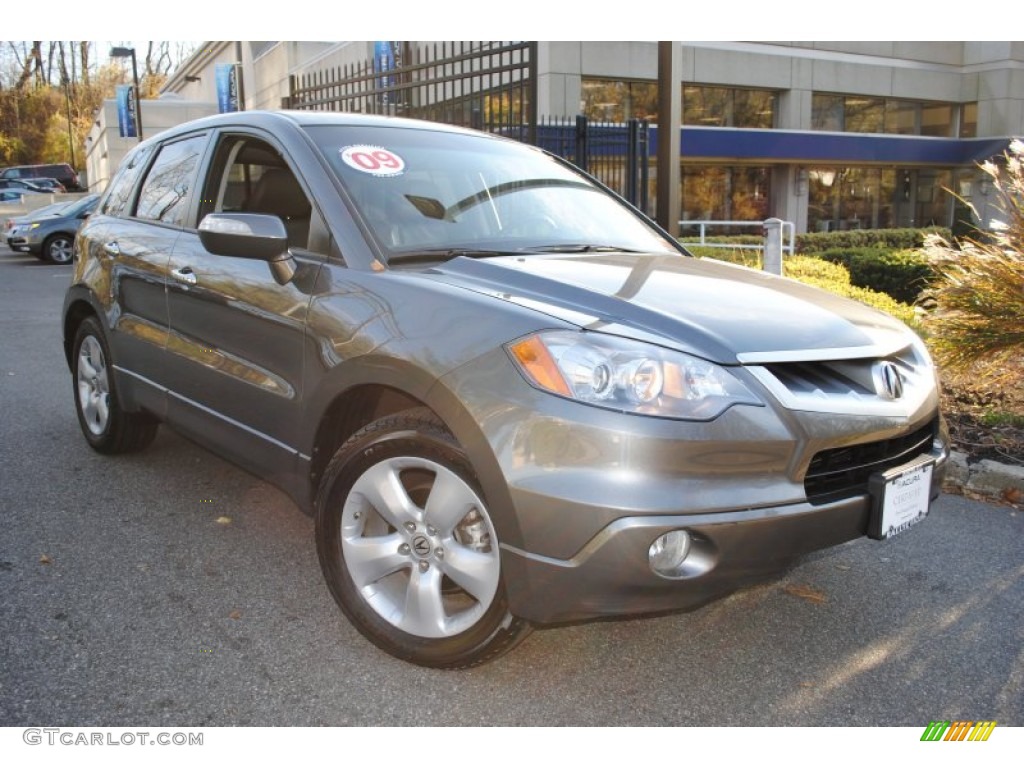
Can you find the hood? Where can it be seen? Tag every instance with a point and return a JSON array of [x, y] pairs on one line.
[[717, 311]]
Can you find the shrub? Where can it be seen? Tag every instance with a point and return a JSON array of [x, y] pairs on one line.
[[737, 239], [893, 239], [901, 274], [745, 257], [821, 274], [978, 320], [836, 279]]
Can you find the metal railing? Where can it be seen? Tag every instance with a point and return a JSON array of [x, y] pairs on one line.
[[788, 234], [487, 85]]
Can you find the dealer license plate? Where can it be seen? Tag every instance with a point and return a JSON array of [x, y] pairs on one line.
[[900, 498]]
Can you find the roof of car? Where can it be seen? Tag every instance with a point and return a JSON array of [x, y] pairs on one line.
[[270, 119]]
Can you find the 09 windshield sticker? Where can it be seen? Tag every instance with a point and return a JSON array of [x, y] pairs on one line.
[[373, 160]]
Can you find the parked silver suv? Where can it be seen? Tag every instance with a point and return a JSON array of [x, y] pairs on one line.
[[507, 397]]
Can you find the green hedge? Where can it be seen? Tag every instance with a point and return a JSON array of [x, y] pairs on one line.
[[892, 239], [901, 274], [815, 271], [836, 279], [737, 239], [744, 257]]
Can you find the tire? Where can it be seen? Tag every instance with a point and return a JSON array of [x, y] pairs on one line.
[[408, 548], [59, 249], [106, 425]]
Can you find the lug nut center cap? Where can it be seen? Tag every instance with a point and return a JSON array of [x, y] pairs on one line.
[[421, 545]]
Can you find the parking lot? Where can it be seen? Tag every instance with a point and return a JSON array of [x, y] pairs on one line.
[[170, 588]]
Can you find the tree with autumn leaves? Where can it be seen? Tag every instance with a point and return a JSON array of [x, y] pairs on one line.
[[50, 89]]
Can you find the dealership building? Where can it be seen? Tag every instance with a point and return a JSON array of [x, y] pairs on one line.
[[830, 136]]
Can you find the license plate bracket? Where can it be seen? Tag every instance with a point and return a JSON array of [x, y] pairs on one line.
[[900, 498]]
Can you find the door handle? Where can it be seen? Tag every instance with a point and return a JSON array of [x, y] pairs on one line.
[[184, 275], [112, 248]]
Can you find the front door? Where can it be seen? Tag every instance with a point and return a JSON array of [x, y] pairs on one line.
[[237, 336]]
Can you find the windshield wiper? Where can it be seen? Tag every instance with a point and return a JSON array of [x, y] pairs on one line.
[[578, 248], [443, 254]]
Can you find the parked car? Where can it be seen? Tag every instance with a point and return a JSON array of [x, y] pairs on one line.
[[46, 210], [23, 185], [11, 195], [48, 185], [52, 236], [62, 172], [507, 397]]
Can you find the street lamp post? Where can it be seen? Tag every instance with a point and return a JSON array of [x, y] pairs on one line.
[[71, 129], [123, 53]]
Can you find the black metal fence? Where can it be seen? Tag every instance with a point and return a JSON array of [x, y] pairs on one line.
[[617, 154], [489, 86]]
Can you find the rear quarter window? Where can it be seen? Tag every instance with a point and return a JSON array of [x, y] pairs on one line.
[[118, 199]]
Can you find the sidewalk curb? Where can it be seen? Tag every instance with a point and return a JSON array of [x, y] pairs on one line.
[[986, 477]]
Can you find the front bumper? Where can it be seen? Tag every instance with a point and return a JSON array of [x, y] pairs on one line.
[[611, 574], [578, 494], [23, 242]]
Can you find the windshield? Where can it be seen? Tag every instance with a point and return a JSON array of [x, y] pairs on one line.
[[432, 192], [84, 205]]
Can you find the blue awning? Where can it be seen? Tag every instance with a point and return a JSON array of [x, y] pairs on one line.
[[808, 147], [784, 146]]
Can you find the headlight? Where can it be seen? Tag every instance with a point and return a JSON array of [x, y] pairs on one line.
[[34, 226], [629, 376]]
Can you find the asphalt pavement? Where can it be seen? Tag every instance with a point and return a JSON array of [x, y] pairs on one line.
[[170, 588]]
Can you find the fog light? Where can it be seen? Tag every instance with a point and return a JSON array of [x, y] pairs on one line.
[[668, 552]]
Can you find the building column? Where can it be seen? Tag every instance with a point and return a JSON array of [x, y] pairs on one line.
[[789, 195]]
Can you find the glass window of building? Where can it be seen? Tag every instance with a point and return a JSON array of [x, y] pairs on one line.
[[616, 101], [873, 198], [937, 120], [863, 114], [728, 107], [753, 109], [901, 117], [826, 112], [732, 193], [969, 120], [707, 106], [849, 198]]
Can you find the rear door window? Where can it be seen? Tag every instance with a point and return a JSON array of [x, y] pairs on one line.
[[167, 191]]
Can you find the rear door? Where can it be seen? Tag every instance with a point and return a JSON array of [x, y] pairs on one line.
[[136, 242]]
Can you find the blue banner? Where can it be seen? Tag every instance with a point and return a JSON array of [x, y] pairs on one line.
[[226, 76], [386, 57], [126, 111]]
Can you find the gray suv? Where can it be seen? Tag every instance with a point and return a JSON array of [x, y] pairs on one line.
[[507, 397]]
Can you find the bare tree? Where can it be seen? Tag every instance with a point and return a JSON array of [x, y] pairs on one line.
[[83, 50]]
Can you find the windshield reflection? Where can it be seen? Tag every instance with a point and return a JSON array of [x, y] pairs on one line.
[[428, 192]]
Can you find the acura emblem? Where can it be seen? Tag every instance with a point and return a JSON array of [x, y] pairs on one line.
[[890, 381], [421, 546]]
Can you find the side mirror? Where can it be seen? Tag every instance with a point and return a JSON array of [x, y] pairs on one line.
[[249, 236]]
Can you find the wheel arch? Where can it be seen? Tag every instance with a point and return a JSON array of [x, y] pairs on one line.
[[70, 236], [348, 412], [390, 390], [77, 306]]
